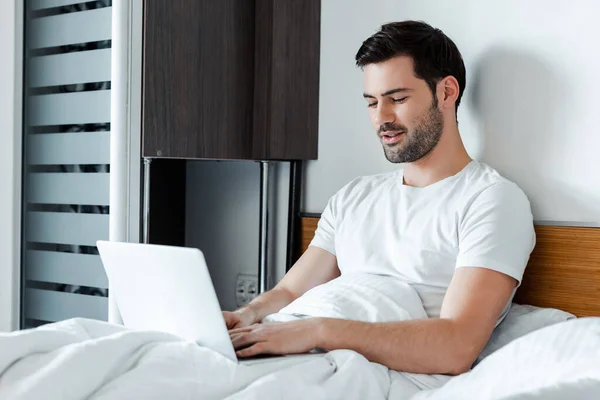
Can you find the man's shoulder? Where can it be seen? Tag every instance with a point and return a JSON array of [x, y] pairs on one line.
[[486, 185], [486, 178]]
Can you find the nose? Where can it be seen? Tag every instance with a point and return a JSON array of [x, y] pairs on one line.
[[383, 114]]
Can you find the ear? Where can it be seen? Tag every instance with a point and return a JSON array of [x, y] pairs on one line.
[[448, 91]]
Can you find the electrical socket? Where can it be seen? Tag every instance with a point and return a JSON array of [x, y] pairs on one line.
[[246, 289]]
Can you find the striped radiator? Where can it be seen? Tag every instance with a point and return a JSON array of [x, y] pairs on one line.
[[66, 160]]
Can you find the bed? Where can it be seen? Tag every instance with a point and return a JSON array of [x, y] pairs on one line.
[[81, 358]]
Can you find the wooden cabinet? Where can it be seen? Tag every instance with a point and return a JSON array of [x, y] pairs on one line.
[[286, 92], [198, 75], [231, 79]]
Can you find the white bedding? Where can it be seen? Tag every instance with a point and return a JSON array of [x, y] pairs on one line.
[[360, 297], [80, 358], [87, 359], [558, 362], [90, 359]]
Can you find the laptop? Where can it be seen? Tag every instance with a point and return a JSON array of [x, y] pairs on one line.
[[169, 289]]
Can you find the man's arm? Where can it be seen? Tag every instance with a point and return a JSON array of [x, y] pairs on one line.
[[316, 266], [446, 345]]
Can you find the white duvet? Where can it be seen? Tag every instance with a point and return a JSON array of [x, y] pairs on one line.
[[87, 359]]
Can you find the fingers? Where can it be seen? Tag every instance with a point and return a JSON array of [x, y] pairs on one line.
[[232, 324], [241, 340], [258, 348], [249, 335], [229, 323], [230, 319], [243, 329]]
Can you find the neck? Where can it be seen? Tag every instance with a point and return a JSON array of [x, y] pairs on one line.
[[448, 158]]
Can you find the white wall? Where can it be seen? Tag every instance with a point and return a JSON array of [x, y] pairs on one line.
[[529, 108], [10, 160]]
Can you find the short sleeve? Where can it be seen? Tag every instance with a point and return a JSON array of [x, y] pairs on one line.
[[325, 233], [496, 231]]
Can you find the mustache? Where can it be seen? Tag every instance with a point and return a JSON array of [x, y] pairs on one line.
[[389, 126]]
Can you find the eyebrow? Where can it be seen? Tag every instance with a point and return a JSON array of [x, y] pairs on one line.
[[389, 92]]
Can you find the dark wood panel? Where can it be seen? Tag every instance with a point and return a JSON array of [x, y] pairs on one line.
[[263, 63], [198, 79], [167, 202], [288, 34], [563, 271]]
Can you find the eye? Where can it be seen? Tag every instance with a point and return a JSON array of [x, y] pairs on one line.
[[401, 100], [371, 105]]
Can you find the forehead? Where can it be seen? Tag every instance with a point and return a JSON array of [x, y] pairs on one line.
[[397, 72]]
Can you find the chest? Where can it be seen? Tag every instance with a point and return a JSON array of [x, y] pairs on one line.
[[386, 225]]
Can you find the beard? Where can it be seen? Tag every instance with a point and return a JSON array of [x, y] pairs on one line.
[[418, 142]]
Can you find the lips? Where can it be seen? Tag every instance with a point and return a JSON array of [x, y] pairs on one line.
[[391, 137]]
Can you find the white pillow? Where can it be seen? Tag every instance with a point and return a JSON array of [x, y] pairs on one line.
[[520, 320], [558, 362]]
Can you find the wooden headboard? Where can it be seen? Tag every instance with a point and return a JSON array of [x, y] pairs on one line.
[[563, 270]]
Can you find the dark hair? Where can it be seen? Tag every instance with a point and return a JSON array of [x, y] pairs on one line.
[[434, 54]]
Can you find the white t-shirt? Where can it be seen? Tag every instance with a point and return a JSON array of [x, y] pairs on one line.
[[476, 218]]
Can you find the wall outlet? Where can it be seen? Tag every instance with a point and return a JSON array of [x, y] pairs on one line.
[[246, 288]]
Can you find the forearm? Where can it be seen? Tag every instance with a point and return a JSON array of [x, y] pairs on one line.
[[315, 267], [267, 303], [423, 346]]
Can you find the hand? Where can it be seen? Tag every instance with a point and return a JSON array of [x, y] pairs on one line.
[[238, 319], [277, 337]]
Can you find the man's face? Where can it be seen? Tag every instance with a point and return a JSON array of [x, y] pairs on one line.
[[402, 109]]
